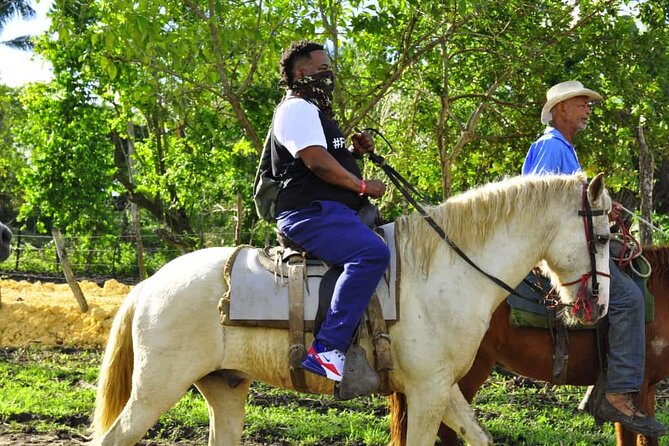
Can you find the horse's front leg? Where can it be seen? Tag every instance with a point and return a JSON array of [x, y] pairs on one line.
[[459, 416], [428, 405]]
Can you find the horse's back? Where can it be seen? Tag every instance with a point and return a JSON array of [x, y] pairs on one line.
[[179, 303]]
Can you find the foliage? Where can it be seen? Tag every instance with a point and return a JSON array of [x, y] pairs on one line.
[[69, 175], [12, 157], [164, 104]]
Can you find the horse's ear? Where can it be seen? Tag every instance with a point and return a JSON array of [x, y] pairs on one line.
[[596, 187]]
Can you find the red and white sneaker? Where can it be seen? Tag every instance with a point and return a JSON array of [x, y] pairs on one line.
[[324, 362]]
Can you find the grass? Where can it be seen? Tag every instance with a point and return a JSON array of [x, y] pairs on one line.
[[52, 390]]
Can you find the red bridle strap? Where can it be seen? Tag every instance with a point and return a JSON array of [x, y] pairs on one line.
[[582, 297], [582, 301]]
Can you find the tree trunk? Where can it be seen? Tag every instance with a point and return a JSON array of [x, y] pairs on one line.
[[240, 219], [134, 209], [645, 186]]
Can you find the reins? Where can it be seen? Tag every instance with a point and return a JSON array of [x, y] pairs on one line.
[[406, 188]]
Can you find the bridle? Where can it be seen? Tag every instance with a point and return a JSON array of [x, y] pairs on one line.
[[583, 305], [584, 299]]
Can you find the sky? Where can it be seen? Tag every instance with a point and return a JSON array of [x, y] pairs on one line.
[[18, 67]]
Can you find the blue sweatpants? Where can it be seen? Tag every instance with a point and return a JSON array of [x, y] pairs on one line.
[[333, 232]]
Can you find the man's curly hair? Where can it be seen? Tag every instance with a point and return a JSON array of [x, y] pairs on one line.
[[297, 52]]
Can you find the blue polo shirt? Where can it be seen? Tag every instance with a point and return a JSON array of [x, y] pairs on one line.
[[551, 153]]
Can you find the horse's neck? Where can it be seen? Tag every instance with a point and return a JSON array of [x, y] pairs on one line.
[[515, 247]]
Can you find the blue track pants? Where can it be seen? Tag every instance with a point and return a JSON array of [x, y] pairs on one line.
[[333, 232]]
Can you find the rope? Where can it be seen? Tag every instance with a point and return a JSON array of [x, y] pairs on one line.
[[630, 247], [406, 189], [644, 221]]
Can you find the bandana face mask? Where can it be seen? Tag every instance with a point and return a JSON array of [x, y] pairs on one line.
[[318, 89]]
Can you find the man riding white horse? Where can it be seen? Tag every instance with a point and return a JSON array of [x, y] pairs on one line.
[[322, 190]]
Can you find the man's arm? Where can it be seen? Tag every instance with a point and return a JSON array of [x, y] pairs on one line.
[[328, 169]]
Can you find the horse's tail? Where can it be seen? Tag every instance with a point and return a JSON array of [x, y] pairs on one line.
[[114, 383], [398, 419]]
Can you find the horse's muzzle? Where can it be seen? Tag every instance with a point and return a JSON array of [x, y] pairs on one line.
[[5, 240]]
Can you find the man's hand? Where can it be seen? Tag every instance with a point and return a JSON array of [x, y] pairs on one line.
[[362, 143], [616, 210], [375, 188]]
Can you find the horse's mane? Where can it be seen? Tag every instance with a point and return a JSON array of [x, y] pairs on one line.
[[472, 216]]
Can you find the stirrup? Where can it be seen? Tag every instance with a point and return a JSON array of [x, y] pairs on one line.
[[359, 378]]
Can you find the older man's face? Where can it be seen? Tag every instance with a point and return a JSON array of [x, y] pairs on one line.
[[576, 111]]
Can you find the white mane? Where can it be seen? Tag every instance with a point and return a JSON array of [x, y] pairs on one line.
[[470, 218]]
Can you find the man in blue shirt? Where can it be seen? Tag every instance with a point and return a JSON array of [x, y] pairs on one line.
[[568, 110]]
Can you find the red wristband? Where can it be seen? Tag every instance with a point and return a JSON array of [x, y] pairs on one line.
[[363, 188]]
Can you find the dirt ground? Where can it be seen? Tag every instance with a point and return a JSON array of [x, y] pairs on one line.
[[55, 440], [30, 439], [48, 313], [58, 440], [45, 313]]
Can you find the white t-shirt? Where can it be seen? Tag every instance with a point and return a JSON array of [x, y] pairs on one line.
[[297, 125]]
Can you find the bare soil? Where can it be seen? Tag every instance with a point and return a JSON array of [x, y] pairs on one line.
[[64, 439]]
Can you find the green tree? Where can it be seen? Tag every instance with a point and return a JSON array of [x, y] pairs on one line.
[[455, 86], [13, 157], [69, 176], [9, 10]]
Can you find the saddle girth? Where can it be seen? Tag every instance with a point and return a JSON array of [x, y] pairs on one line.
[[297, 350]]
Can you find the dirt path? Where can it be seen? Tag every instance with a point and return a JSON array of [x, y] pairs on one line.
[[37, 439], [21, 439]]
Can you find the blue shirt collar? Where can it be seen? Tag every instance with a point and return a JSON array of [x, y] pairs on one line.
[[556, 133]]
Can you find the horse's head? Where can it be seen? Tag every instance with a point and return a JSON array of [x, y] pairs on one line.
[[5, 239], [579, 254]]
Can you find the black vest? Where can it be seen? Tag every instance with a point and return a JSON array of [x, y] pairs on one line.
[[300, 186]]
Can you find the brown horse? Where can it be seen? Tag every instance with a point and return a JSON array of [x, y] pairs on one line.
[[529, 352]]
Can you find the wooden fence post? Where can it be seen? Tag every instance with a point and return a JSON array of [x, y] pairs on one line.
[[18, 249], [69, 276]]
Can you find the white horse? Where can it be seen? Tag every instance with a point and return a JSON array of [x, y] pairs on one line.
[[5, 240], [167, 334]]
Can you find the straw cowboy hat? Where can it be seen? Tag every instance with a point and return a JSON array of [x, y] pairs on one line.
[[562, 92]]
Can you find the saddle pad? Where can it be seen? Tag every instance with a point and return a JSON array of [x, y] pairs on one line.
[[531, 312], [258, 295]]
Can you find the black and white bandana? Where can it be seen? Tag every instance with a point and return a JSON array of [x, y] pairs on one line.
[[318, 89]]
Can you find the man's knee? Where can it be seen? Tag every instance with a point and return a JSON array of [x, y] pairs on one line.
[[378, 253], [628, 300]]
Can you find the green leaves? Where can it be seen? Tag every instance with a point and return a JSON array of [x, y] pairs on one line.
[[457, 87]]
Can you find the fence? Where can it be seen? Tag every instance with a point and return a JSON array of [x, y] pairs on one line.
[[35, 255]]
